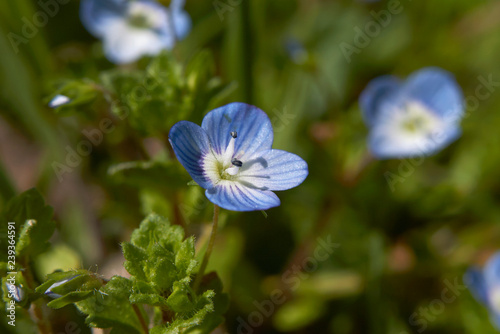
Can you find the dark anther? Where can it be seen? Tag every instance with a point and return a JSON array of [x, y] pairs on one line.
[[236, 162], [234, 134]]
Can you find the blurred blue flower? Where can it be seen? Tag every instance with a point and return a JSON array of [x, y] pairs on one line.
[[59, 100], [418, 117], [485, 286], [231, 156], [131, 29]]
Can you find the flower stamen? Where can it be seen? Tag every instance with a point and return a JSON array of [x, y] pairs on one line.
[[228, 154], [236, 162]]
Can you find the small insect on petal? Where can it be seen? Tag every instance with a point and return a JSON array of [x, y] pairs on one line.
[[234, 134]]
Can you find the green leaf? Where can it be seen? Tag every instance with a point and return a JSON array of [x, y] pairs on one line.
[[72, 286], [110, 307], [70, 298], [212, 282], [158, 254], [204, 306], [184, 258], [33, 224], [145, 293], [80, 92], [135, 260], [181, 298]]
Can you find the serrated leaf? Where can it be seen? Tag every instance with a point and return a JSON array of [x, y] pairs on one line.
[[162, 271], [145, 293], [135, 257], [157, 253], [156, 229], [110, 307], [181, 298], [184, 259], [34, 224], [212, 282], [204, 306]]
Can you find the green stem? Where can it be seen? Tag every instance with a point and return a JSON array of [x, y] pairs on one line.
[[42, 323], [211, 242]]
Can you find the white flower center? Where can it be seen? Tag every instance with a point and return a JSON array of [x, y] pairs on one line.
[[417, 120], [225, 166], [143, 16]]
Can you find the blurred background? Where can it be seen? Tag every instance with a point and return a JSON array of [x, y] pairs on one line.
[[350, 250]]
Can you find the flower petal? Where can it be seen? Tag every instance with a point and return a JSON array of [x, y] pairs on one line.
[[273, 170], [190, 143], [492, 270], [97, 15], [495, 319], [181, 19], [124, 43], [474, 279], [437, 89], [386, 141], [237, 197], [379, 91], [255, 132]]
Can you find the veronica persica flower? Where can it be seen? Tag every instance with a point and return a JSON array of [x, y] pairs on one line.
[[485, 286], [130, 29], [416, 117], [231, 156]]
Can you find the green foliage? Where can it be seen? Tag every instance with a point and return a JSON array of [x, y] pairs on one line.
[[34, 225], [109, 307], [161, 262], [80, 92], [71, 286], [164, 93]]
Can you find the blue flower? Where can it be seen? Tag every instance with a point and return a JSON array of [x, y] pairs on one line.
[[485, 286], [231, 156], [131, 29], [418, 117]]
